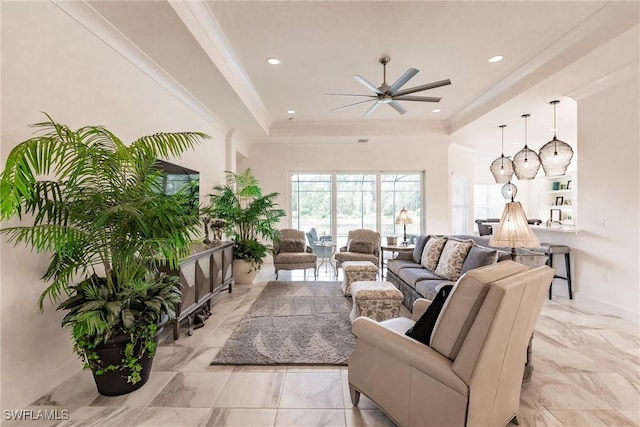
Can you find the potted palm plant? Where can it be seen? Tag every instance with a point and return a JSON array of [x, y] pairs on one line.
[[250, 216], [97, 206]]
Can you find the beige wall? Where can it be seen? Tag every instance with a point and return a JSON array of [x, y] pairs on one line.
[[272, 164], [52, 64]]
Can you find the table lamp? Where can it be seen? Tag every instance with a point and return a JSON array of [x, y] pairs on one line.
[[404, 219], [513, 231]]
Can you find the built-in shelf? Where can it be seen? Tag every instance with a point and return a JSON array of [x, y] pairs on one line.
[[560, 191]]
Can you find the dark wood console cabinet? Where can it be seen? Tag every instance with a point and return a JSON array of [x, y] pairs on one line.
[[205, 273]]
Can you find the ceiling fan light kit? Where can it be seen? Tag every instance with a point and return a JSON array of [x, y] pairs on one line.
[[526, 162], [386, 94], [555, 155]]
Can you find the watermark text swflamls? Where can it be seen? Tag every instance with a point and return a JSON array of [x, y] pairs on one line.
[[36, 414]]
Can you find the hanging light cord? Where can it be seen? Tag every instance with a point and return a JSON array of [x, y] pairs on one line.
[[526, 148], [502, 155], [555, 128]]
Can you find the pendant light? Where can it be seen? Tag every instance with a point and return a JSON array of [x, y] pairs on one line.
[[502, 167], [509, 191], [526, 162], [555, 155]]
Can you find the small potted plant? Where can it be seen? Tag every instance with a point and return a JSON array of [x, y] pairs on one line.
[[99, 209], [250, 216]]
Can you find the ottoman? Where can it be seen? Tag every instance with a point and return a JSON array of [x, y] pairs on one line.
[[376, 300], [357, 270]]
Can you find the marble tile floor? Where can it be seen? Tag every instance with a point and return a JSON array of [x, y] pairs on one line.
[[587, 373]]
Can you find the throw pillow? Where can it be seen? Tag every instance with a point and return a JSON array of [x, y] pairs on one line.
[[417, 250], [360, 246], [452, 259], [291, 245], [423, 328], [479, 256], [432, 252]]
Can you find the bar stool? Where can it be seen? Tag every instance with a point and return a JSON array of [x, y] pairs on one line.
[[552, 249]]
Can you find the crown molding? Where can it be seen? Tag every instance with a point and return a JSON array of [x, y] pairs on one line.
[[599, 28], [295, 129], [204, 27], [604, 82], [95, 23]]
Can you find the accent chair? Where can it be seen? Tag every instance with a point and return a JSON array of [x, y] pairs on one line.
[[362, 245], [471, 372], [292, 253]]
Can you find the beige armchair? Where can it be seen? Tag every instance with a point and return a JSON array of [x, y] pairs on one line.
[[292, 253], [362, 245], [471, 374]]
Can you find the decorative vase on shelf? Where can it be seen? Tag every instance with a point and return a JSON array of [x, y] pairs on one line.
[[556, 186], [217, 225], [205, 221]]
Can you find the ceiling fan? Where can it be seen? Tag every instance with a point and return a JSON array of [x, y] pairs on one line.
[[386, 94]]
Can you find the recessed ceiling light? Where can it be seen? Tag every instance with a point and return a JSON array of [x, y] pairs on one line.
[[273, 61], [291, 111], [496, 58], [436, 110], [363, 140]]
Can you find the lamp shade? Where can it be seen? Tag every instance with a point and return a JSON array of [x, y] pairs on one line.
[[513, 231], [555, 155], [526, 162], [502, 169], [404, 217]]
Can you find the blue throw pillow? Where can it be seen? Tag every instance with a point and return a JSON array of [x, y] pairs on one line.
[[417, 251]]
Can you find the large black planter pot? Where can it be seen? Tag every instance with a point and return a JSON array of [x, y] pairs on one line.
[[114, 383]]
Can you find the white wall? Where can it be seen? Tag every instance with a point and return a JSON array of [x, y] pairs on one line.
[[606, 251], [272, 164], [52, 64], [608, 195]]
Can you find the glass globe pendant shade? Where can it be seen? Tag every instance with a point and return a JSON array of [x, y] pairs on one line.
[[526, 162], [502, 169], [555, 156], [509, 191]]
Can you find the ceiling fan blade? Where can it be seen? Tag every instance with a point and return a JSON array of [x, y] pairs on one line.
[[417, 98], [371, 109], [423, 87], [402, 80], [366, 83], [349, 94], [351, 105], [398, 107]]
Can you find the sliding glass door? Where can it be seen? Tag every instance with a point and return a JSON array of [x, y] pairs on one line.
[[355, 204], [335, 203], [311, 202]]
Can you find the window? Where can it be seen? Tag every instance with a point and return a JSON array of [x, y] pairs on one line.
[[401, 191], [311, 202], [339, 202], [461, 192], [488, 201], [356, 203]]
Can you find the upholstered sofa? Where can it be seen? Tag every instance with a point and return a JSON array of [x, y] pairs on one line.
[[409, 271]]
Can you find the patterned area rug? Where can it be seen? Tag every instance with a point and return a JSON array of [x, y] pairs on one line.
[[293, 323]]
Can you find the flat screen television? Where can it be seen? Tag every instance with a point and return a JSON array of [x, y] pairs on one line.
[[179, 178]]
